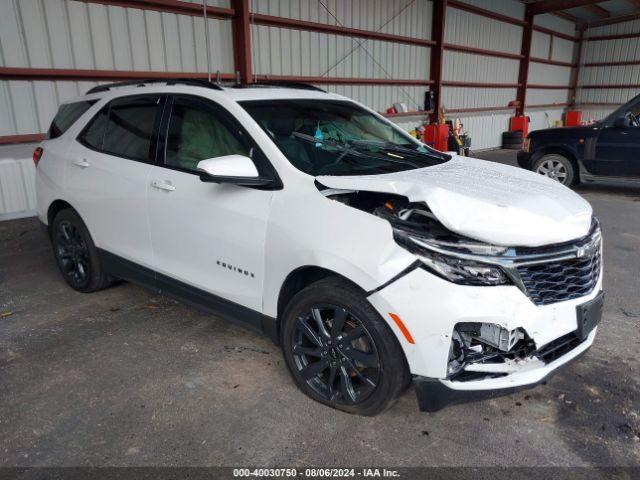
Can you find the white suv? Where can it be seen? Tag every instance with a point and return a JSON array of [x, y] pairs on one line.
[[372, 259]]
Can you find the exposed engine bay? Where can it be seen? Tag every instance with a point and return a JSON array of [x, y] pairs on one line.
[[478, 350], [414, 219]]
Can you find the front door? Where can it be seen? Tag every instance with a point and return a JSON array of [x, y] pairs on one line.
[[618, 147], [206, 235]]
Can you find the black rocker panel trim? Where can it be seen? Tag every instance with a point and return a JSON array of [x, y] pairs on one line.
[[127, 270]]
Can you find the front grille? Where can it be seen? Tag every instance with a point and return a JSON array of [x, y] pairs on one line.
[[561, 272], [559, 281]]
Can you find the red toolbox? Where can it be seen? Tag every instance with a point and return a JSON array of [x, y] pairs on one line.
[[437, 136], [520, 122], [572, 118]]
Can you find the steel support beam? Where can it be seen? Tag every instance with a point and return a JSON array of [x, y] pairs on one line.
[[525, 51], [566, 16], [169, 6], [598, 10], [438, 18], [241, 31], [19, 73], [304, 25], [340, 80], [576, 71], [549, 6], [548, 31], [611, 20], [467, 7]]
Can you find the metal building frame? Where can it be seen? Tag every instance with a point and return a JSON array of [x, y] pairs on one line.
[[242, 19]]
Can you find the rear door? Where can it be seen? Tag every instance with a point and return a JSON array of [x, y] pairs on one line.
[[618, 148], [107, 174], [209, 236]]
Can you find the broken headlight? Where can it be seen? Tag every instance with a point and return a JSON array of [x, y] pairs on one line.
[[465, 272], [451, 267]]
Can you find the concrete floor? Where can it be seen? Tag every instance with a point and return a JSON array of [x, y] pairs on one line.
[[126, 377]]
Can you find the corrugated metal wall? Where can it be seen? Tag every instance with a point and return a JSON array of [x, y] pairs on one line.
[[544, 45], [279, 51], [624, 49], [69, 34], [472, 30], [17, 176]]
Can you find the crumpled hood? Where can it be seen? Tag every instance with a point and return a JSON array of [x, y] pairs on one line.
[[487, 201]]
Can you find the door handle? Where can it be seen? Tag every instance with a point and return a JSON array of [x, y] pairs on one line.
[[162, 185], [81, 163]]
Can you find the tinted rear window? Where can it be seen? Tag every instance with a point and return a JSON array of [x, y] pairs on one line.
[[124, 127], [93, 134], [130, 127], [67, 115]]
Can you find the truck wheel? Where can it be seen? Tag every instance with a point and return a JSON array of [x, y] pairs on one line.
[[339, 350], [556, 167], [75, 253]]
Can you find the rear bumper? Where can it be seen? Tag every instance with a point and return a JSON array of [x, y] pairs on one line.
[[435, 394]]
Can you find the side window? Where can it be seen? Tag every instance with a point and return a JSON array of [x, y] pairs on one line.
[[93, 133], [66, 116], [198, 131], [634, 116], [130, 127]]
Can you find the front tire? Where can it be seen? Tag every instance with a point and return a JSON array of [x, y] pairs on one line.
[[339, 350], [557, 167], [76, 254]]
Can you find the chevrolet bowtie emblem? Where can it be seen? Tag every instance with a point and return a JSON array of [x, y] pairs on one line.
[[585, 250]]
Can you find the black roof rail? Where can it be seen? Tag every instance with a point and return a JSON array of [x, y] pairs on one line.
[[297, 85], [196, 82]]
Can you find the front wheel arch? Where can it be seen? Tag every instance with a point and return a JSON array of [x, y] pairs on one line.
[[569, 157], [565, 152], [299, 279]]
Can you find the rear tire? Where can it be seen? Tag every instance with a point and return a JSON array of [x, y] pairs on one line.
[[339, 350], [76, 254], [557, 167]]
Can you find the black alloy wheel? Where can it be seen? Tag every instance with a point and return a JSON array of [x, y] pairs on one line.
[[76, 254], [339, 349], [72, 253], [335, 354]]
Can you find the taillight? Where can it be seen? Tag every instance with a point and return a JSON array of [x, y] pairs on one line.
[[37, 155]]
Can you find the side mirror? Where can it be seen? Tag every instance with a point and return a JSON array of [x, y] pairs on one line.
[[235, 169], [622, 122]]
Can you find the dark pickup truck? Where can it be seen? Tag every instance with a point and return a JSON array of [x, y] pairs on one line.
[[607, 150]]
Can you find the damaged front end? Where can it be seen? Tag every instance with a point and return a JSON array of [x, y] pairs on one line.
[[483, 352], [451, 256], [480, 350]]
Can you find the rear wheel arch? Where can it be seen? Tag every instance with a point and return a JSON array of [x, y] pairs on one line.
[[53, 210]]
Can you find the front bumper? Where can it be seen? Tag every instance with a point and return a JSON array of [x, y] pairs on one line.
[[431, 307], [434, 394]]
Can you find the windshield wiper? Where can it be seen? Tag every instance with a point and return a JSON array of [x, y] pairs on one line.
[[386, 145], [347, 149]]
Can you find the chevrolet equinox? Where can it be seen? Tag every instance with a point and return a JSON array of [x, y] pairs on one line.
[[371, 259]]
